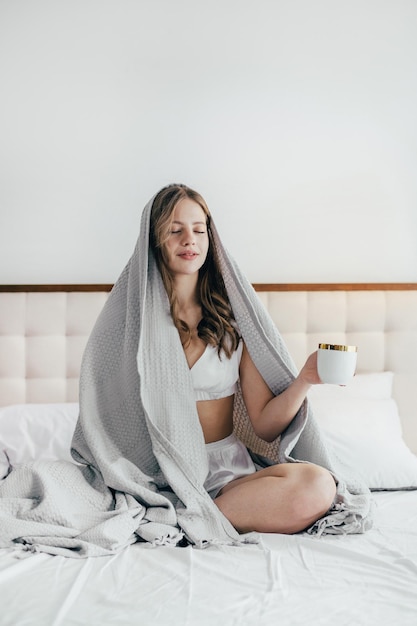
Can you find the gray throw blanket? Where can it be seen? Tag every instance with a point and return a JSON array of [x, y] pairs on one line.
[[140, 455]]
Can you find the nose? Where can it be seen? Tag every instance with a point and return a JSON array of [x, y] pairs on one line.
[[188, 238]]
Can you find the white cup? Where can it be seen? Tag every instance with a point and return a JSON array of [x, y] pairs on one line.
[[336, 364]]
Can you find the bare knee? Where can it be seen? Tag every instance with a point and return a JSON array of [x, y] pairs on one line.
[[285, 498], [316, 490]]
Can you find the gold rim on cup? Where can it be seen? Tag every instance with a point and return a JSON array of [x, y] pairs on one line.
[[332, 346]]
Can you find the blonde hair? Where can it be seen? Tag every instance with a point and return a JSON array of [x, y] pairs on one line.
[[217, 326]]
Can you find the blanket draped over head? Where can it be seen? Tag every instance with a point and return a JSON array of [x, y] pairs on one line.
[[139, 449]]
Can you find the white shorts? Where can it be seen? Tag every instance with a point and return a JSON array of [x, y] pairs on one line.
[[228, 459]]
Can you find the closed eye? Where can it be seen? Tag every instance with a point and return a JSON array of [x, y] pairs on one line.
[[198, 232]]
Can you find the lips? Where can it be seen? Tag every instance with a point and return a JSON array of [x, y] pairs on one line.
[[188, 255]]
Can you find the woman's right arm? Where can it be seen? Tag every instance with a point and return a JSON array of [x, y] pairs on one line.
[[270, 415]]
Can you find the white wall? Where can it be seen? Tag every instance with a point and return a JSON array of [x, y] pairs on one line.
[[296, 119]]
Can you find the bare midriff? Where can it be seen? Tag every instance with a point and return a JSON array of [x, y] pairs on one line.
[[216, 418]]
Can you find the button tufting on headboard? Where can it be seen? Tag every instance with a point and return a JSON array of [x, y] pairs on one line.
[[43, 335]]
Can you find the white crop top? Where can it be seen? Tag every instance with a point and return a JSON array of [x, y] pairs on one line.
[[215, 377]]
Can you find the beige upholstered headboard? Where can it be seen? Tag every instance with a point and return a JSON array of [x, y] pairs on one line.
[[44, 328]]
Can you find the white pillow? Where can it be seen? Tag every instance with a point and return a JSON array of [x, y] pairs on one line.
[[362, 424], [29, 432]]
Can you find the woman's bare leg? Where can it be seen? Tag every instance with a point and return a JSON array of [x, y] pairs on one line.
[[285, 498]]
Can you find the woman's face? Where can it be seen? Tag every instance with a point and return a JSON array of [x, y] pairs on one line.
[[188, 243]]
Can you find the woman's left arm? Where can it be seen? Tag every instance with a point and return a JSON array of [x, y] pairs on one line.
[[270, 414]]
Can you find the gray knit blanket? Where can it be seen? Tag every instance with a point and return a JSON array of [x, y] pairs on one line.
[[139, 452]]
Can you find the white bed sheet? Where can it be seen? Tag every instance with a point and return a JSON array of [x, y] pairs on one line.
[[355, 580]]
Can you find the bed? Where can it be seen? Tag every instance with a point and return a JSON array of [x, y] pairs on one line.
[[288, 580]]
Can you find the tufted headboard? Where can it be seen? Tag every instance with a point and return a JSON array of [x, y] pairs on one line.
[[44, 328]]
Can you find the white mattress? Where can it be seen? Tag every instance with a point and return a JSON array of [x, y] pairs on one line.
[[285, 580]]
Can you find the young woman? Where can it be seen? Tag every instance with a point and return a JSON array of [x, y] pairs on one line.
[[284, 498], [181, 349]]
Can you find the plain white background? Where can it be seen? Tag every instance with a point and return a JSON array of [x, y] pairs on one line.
[[295, 119]]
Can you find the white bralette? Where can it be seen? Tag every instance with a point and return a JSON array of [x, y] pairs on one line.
[[215, 377]]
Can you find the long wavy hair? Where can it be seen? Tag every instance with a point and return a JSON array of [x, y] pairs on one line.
[[217, 326]]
